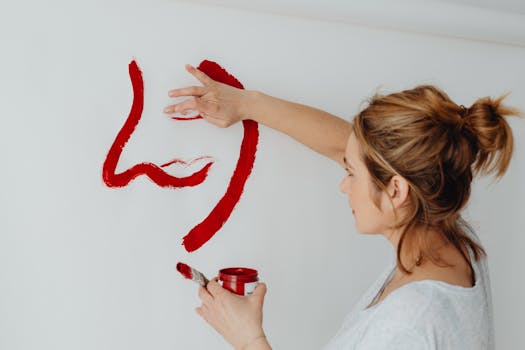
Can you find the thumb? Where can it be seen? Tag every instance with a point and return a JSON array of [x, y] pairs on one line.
[[260, 290]]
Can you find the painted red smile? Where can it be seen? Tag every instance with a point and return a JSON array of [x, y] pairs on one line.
[[180, 163], [185, 163], [203, 231]]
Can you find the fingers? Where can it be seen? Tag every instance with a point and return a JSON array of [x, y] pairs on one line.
[[204, 110], [214, 288], [205, 296], [202, 311], [202, 77], [188, 91], [185, 106]]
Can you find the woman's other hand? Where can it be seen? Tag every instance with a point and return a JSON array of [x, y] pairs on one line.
[[217, 103], [237, 318]]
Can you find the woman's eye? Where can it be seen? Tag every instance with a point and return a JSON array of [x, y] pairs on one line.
[[350, 174]]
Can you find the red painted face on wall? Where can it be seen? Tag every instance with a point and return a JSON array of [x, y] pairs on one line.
[[203, 231]]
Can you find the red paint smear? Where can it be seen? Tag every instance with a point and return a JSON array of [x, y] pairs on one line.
[[186, 164], [155, 173], [190, 118], [202, 232], [185, 270]]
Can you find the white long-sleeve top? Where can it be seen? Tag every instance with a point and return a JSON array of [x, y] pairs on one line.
[[422, 315]]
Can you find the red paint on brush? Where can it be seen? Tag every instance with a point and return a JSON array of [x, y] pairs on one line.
[[202, 232], [185, 270]]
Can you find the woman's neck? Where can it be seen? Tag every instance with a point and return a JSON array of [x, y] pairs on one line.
[[412, 257]]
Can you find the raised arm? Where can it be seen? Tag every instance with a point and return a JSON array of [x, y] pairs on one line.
[[224, 105], [321, 131]]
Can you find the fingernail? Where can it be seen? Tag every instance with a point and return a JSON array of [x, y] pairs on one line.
[[167, 110]]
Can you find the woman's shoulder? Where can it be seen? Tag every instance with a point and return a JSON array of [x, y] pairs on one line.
[[410, 298], [422, 310], [418, 302]]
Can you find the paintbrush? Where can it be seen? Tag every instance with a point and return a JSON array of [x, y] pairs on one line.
[[192, 274]]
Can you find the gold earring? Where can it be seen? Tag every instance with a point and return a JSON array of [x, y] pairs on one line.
[[418, 261]]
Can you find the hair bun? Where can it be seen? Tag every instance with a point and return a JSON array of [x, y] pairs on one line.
[[494, 140]]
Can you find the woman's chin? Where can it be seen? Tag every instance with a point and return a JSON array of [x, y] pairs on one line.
[[364, 231]]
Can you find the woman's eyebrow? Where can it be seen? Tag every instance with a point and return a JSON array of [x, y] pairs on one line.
[[346, 163]]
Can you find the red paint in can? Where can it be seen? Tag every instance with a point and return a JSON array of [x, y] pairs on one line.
[[239, 280]]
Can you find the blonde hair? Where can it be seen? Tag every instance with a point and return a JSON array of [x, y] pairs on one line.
[[437, 146]]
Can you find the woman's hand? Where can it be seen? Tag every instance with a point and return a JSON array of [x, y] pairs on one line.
[[217, 103], [237, 318]]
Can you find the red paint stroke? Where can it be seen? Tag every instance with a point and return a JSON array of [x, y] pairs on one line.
[[185, 270], [186, 164], [203, 231], [154, 172], [189, 118]]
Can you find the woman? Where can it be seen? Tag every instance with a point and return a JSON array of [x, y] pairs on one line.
[[409, 159]]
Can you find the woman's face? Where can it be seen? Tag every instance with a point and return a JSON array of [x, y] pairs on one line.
[[358, 186]]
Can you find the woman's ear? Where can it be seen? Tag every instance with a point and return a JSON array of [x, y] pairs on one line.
[[398, 190]]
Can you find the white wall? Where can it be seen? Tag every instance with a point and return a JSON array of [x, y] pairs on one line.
[[83, 266]]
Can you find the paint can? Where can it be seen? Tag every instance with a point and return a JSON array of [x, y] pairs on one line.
[[239, 280]]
